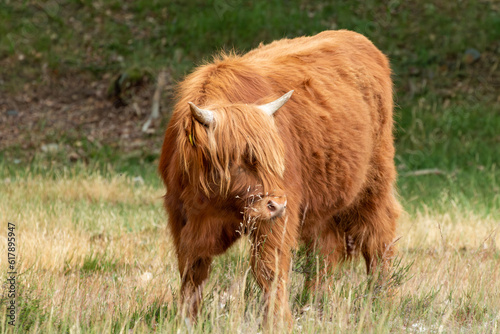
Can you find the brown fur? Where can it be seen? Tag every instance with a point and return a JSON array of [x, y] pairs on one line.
[[327, 153]]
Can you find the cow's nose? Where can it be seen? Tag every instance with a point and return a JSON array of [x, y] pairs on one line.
[[276, 209]]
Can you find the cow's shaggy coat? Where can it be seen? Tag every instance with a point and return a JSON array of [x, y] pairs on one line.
[[327, 155]]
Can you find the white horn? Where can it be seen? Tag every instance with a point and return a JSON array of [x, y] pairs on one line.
[[204, 116], [271, 107]]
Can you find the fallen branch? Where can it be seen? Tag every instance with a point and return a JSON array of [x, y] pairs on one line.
[[137, 109], [431, 171], [155, 109]]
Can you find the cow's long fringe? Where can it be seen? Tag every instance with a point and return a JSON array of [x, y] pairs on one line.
[[238, 137]]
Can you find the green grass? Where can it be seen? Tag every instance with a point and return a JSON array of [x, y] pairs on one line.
[[103, 36], [461, 141]]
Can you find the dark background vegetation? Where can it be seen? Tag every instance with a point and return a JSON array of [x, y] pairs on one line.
[[77, 78]]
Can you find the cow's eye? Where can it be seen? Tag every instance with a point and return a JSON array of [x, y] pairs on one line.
[[250, 163], [237, 169]]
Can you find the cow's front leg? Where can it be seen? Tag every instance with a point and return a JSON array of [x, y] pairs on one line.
[[272, 242], [200, 240], [194, 271]]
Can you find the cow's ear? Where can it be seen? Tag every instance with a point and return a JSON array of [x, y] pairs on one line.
[[204, 116], [271, 107]]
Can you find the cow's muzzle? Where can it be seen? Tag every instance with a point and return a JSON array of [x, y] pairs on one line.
[[276, 208], [267, 207]]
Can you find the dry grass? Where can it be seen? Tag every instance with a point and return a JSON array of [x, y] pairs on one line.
[[94, 256]]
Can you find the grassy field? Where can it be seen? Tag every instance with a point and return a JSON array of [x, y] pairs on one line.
[[93, 251], [94, 256]]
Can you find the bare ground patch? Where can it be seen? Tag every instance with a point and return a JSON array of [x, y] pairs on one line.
[[65, 111]]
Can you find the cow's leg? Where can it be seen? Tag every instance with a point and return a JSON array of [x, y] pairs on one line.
[[372, 228], [193, 273], [373, 217], [324, 251], [199, 240], [272, 242], [192, 268], [379, 246]]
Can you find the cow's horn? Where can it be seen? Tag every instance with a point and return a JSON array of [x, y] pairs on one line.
[[271, 107], [204, 116]]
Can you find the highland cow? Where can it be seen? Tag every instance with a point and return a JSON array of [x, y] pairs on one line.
[[291, 142]]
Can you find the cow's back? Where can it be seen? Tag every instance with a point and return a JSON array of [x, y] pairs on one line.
[[338, 117]]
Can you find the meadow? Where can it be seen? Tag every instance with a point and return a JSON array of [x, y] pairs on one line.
[[93, 251], [94, 256]]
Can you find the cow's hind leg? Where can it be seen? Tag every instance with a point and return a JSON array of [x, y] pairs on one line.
[[324, 250], [370, 226]]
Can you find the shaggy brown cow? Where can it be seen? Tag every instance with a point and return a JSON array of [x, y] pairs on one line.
[[319, 170]]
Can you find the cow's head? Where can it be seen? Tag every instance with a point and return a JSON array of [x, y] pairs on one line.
[[234, 156]]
